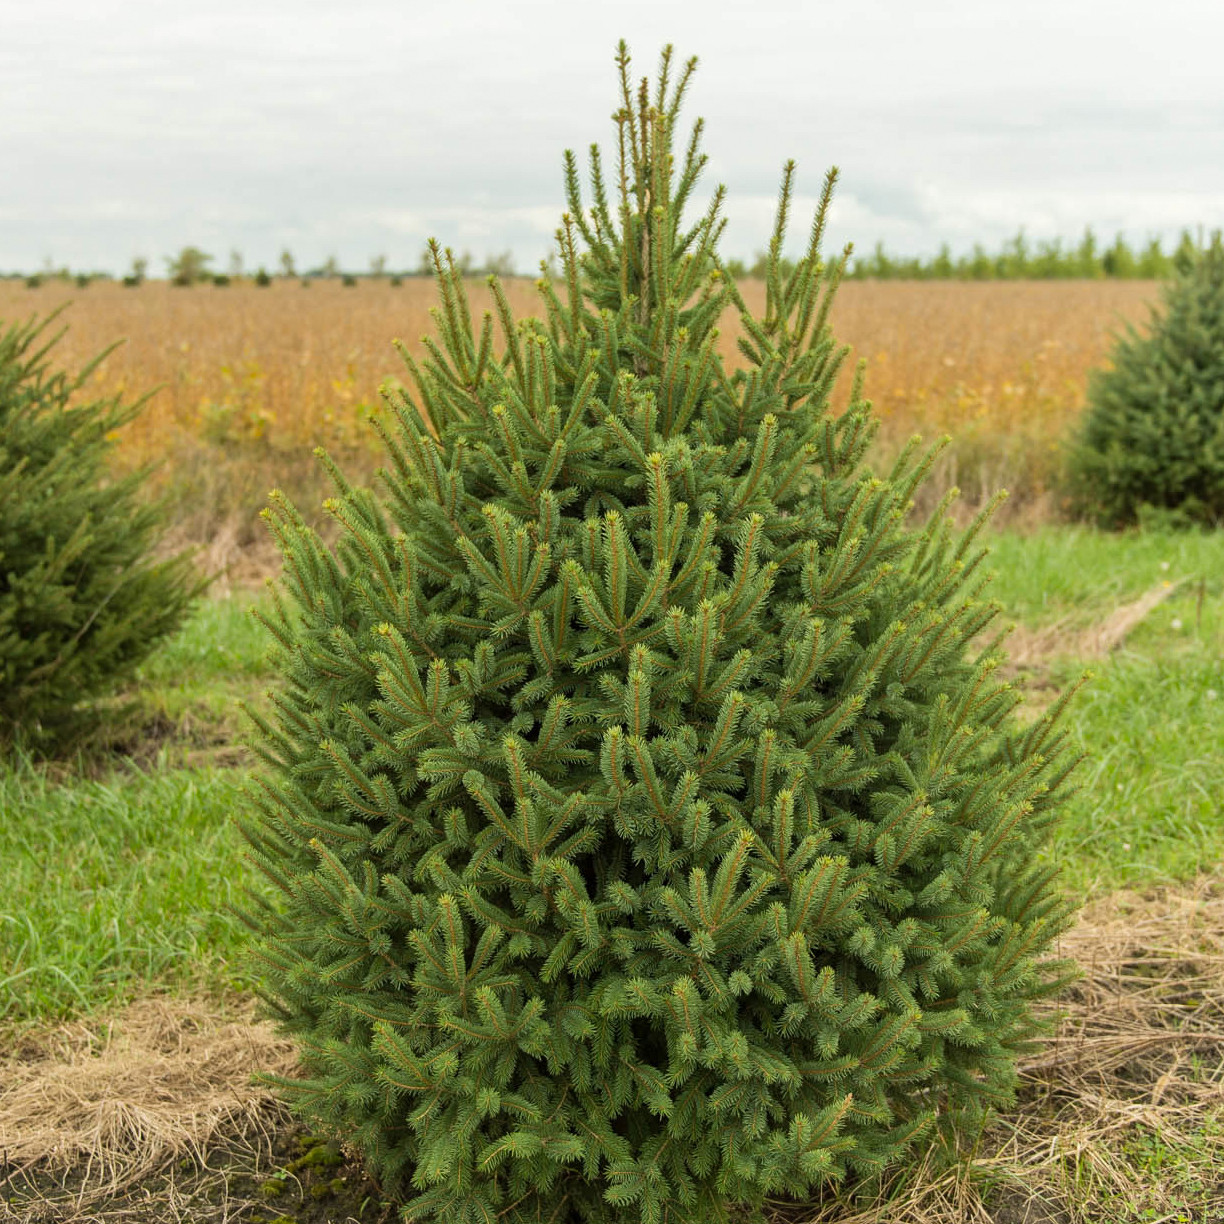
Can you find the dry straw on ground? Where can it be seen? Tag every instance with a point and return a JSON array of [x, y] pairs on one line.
[[1135, 1067], [1065, 638], [91, 1109], [246, 381]]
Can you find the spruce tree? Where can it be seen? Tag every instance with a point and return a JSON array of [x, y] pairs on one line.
[[1153, 431], [83, 600], [650, 831]]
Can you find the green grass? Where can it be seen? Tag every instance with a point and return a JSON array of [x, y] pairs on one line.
[[1150, 808], [1150, 805], [196, 679], [1077, 574], [222, 644], [112, 882]]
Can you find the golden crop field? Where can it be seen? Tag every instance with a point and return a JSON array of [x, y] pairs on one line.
[[244, 381]]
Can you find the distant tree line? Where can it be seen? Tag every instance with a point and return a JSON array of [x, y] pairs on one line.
[[64, 275], [193, 266], [1019, 259]]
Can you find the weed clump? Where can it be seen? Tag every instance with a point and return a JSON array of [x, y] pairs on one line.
[[651, 837]]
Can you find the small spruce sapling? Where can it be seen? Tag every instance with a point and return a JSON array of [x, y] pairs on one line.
[[650, 830], [83, 596], [1152, 438]]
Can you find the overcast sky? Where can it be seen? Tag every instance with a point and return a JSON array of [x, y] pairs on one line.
[[133, 127]]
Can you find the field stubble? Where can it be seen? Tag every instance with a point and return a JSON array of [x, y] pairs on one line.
[[244, 382]]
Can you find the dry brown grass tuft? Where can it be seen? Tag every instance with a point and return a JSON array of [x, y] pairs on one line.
[[247, 381], [89, 1110], [1120, 1117]]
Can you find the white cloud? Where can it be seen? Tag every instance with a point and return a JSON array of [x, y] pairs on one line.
[[366, 126]]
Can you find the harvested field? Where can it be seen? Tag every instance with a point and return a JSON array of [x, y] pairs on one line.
[[244, 382]]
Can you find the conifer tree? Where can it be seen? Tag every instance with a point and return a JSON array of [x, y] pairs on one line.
[[1153, 431], [82, 599], [650, 834]]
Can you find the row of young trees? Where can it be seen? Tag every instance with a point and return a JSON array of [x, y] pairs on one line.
[[1019, 259], [650, 833], [193, 266]]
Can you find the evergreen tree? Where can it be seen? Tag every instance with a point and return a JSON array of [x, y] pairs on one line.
[[1153, 431], [82, 601], [650, 834]]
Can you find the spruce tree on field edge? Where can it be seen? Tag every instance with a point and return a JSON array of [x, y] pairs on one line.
[[83, 598], [1152, 436], [649, 829]]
